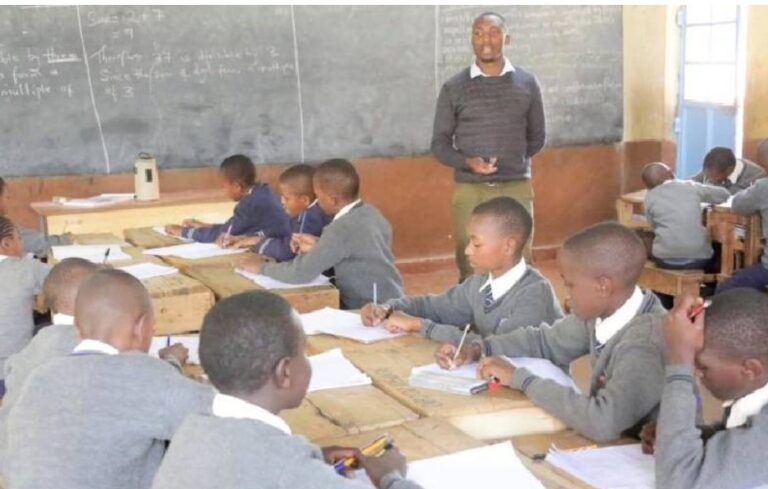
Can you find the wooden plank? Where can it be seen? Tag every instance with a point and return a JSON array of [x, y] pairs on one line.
[[147, 238], [672, 282], [628, 209], [306, 420], [97, 239]]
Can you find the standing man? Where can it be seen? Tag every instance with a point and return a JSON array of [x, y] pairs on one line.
[[489, 121]]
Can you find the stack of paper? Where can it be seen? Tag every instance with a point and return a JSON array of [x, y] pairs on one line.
[[332, 370], [193, 251], [146, 271], [92, 253], [623, 466], [343, 324], [161, 230], [462, 380], [192, 342], [99, 200], [271, 284]]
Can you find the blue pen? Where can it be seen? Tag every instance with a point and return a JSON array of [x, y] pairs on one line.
[[167, 341]]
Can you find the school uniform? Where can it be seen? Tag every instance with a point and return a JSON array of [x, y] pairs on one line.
[[520, 297], [259, 211], [626, 353], [357, 244], [744, 174], [312, 221], [243, 446], [674, 213], [97, 419], [38, 243], [731, 457]]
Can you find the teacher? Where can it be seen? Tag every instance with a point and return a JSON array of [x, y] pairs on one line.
[[489, 121]]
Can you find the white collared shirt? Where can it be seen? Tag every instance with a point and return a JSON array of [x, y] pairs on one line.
[[63, 319], [95, 346], [225, 406], [606, 328], [345, 210], [3, 257], [737, 171], [749, 405], [475, 71], [502, 284]]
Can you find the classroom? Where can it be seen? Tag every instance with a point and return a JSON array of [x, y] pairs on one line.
[[384, 246]]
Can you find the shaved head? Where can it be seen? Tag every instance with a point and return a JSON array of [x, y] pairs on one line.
[[492, 17], [654, 174], [339, 178], [61, 286]]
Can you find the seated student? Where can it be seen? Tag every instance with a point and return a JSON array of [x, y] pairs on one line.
[[357, 244], [101, 416], [727, 345], [252, 348], [504, 293], [612, 320], [33, 241], [22, 278], [307, 218], [258, 209], [673, 209], [722, 168]]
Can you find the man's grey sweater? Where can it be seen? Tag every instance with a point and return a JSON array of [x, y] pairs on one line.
[[728, 459], [358, 246], [498, 116], [209, 452], [531, 301], [674, 212], [88, 421], [627, 372], [755, 199], [751, 172]]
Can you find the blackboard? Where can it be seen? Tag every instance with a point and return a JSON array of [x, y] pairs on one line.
[[85, 89]]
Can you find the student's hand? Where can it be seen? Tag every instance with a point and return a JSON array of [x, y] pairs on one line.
[[224, 240], [193, 223], [244, 241], [480, 167], [400, 322], [648, 437], [303, 243], [496, 369], [173, 229], [683, 338], [468, 354], [378, 467], [372, 315], [252, 264], [177, 351], [333, 455]]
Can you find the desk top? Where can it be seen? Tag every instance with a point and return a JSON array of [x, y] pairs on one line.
[[166, 199]]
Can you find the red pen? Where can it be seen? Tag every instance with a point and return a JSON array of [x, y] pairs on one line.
[[698, 309]]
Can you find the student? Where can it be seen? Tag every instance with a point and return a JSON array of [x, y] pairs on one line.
[[307, 218], [101, 416], [673, 209], [612, 320], [728, 345], [258, 209], [252, 348], [33, 241], [357, 244], [754, 199], [722, 168], [22, 278], [504, 293]]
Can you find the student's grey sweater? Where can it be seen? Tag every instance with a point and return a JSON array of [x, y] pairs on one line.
[[22, 279], [627, 372], [97, 421], [531, 301], [358, 247], [728, 459], [38, 243], [752, 171], [209, 452], [673, 210], [755, 199]]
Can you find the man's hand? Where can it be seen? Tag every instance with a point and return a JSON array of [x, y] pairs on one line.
[[177, 351], [496, 369], [648, 438], [480, 167], [683, 337], [373, 315], [469, 354], [252, 264], [378, 467], [400, 322], [334, 455], [194, 223], [303, 243], [173, 229]]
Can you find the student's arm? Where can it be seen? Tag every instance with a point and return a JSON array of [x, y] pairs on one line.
[[443, 131], [39, 273], [536, 131], [38, 243], [751, 200], [277, 248], [536, 304], [206, 234], [709, 194], [330, 249], [182, 397]]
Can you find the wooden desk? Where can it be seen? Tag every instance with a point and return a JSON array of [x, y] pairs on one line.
[[147, 238], [205, 205], [97, 239], [740, 237], [630, 211]]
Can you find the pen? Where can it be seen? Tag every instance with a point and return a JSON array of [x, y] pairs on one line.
[[106, 255], [168, 341], [461, 344], [375, 449], [698, 309], [375, 295], [228, 235]]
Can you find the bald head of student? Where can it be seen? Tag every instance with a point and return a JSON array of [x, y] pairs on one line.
[[654, 174], [61, 286], [114, 307], [600, 267], [336, 185], [498, 230]]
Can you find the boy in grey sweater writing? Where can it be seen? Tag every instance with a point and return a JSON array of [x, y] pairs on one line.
[[252, 348], [101, 416], [612, 321], [728, 345], [504, 293], [722, 168], [357, 244]]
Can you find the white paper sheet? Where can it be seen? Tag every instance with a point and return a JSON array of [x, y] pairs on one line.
[[99, 200], [192, 342], [621, 467], [272, 284], [92, 253], [161, 230], [146, 271], [343, 324], [193, 251], [332, 370]]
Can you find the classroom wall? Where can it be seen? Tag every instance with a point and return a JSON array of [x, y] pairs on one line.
[[756, 92]]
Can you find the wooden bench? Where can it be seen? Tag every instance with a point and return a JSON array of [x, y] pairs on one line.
[[674, 282]]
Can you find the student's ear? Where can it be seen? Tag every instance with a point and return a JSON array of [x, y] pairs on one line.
[[143, 331], [604, 286], [753, 369], [282, 373], [306, 200], [511, 245]]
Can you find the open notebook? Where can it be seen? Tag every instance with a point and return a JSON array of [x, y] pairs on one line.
[[92, 253], [343, 324], [272, 284], [146, 271], [332, 370], [161, 230], [625, 466], [193, 251]]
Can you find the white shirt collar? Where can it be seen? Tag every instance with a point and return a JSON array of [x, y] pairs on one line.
[[746, 407], [737, 171], [314, 203], [63, 319], [475, 71], [95, 346], [3, 257], [502, 284], [225, 406], [345, 210], [606, 328]]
